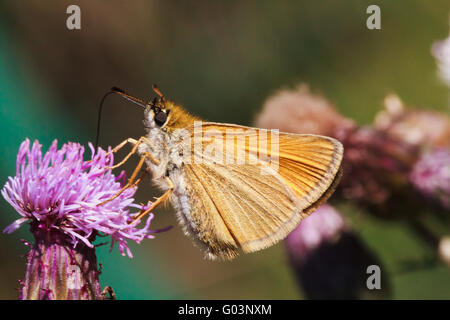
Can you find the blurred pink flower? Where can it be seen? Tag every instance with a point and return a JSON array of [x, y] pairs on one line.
[[424, 129], [300, 111], [375, 171], [431, 176], [329, 260], [324, 224], [441, 51]]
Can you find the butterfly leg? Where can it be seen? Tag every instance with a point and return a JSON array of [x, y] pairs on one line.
[[123, 143], [158, 201], [132, 182], [135, 144]]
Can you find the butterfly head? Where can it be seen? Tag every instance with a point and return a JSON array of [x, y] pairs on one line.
[[166, 115], [157, 113]]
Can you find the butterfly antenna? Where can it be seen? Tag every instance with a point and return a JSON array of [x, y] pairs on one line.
[[121, 93], [158, 92]]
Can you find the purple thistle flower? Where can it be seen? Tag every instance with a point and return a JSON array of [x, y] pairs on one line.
[[431, 176], [58, 195]]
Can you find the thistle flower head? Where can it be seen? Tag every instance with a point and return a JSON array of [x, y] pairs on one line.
[[376, 167], [300, 111], [59, 193], [421, 128], [441, 51], [431, 176]]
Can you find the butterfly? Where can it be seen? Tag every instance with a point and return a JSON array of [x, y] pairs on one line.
[[234, 188]]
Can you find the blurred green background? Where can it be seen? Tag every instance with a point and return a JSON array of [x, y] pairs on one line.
[[221, 61]]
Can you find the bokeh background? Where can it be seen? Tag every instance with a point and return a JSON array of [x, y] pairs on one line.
[[221, 61]]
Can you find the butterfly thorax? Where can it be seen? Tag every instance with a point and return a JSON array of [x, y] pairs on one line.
[[165, 140]]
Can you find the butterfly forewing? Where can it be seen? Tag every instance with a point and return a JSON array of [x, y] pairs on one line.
[[254, 202]]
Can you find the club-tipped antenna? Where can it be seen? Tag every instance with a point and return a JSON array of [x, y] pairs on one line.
[[158, 91], [122, 93]]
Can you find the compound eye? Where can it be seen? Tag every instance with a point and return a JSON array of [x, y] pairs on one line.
[[160, 118]]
